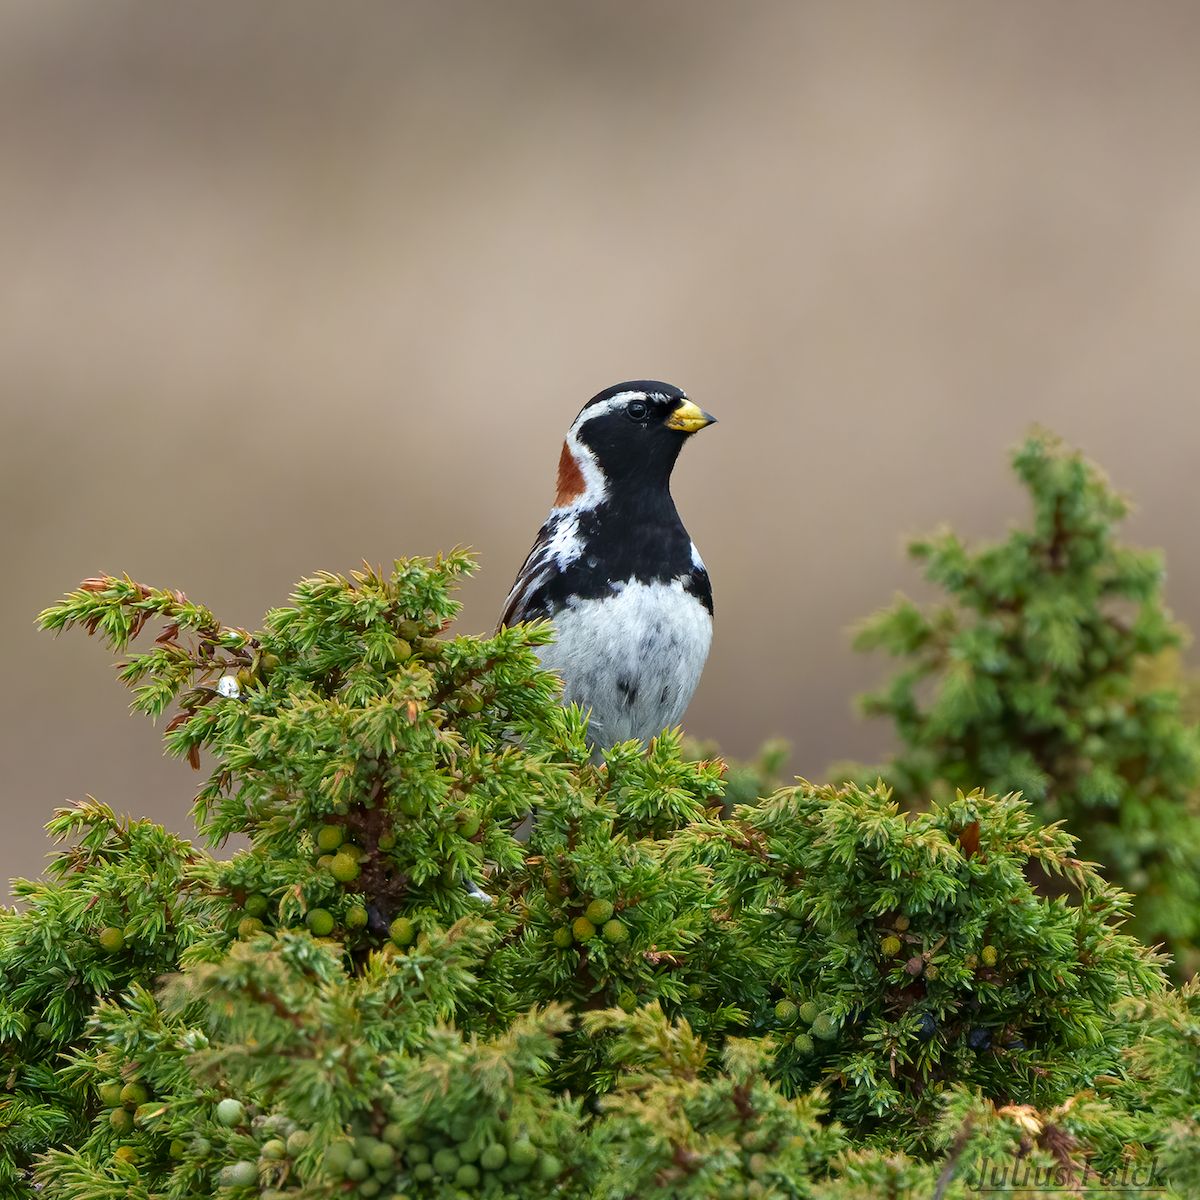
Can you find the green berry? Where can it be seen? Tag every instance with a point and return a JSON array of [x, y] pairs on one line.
[[242, 1174], [248, 927], [121, 1120], [467, 1176], [338, 1157], [358, 1168], [890, 947], [522, 1153], [325, 862], [320, 922], [231, 1112], [627, 1001], [614, 931], [111, 939], [446, 1162], [201, 1147], [387, 841], [381, 1155], [145, 1114], [298, 1140], [493, 1157], [417, 1153], [599, 911], [370, 1187], [583, 930], [989, 955], [393, 1134], [422, 1172], [44, 1030], [758, 1164], [330, 837], [403, 931], [469, 1151], [824, 1026], [549, 1167], [110, 1094], [274, 1149], [177, 1149], [133, 1094], [563, 938], [804, 1044], [255, 905], [808, 1012], [786, 1012], [468, 823], [356, 916], [344, 867], [412, 805]]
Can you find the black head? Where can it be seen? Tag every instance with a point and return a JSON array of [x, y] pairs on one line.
[[637, 429]]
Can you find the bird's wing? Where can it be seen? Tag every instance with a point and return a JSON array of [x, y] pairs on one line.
[[524, 603]]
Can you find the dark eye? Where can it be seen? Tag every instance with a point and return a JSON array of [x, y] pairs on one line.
[[637, 410]]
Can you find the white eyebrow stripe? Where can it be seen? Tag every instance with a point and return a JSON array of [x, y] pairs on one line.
[[605, 406]]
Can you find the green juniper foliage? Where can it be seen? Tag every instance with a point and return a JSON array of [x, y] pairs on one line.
[[1047, 677], [745, 782], [907, 956], [120, 908], [721, 1135], [1162, 1087], [389, 995]]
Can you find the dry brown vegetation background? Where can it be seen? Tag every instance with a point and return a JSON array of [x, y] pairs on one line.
[[284, 286]]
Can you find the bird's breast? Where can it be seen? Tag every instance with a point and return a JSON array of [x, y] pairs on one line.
[[633, 656]]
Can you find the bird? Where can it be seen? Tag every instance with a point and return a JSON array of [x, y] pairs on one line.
[[614, 571]]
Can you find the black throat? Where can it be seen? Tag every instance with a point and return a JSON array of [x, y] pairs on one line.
[[638, 538]]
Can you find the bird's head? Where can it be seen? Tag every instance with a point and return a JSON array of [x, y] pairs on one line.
[[628, 435]]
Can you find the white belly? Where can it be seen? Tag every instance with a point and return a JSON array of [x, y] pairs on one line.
[[633, 659]]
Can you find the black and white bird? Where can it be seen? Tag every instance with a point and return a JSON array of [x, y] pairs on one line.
[[614, 571]]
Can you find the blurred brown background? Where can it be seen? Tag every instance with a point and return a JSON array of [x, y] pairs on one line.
[[284, 286]]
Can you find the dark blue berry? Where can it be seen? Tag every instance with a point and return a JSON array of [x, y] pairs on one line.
[[928, 1027], [979, 1039]]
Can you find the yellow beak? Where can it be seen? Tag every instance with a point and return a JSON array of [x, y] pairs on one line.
[[687, 418]]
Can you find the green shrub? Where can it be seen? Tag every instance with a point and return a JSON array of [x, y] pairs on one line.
[[387, 994], [920, 958], [1049, 674]]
